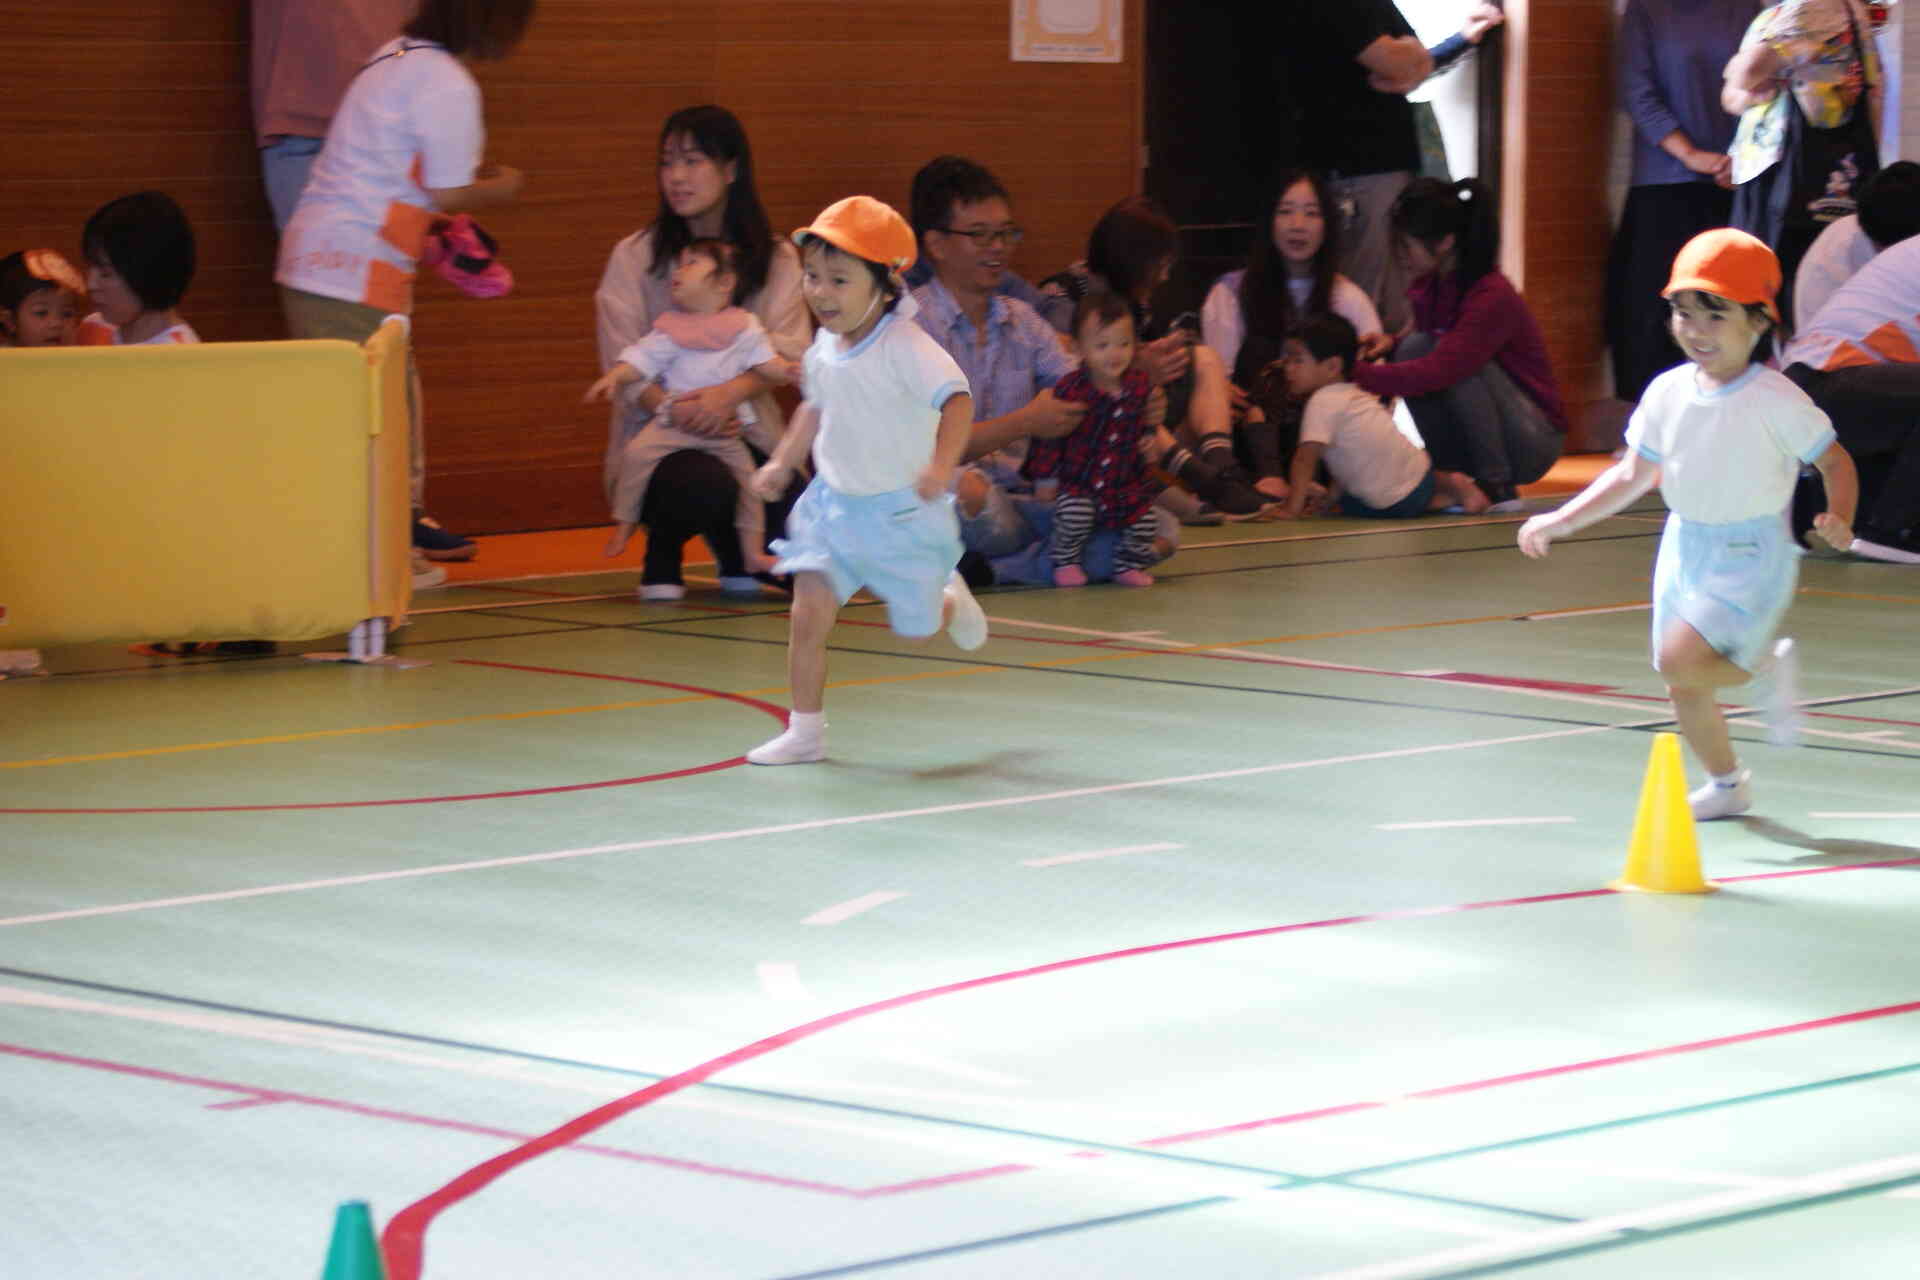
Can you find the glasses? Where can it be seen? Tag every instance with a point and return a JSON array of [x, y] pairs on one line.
[[984, 237]]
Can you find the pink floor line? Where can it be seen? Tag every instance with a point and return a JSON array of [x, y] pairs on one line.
[[254, 1096], [778, 713], [404, 1241]]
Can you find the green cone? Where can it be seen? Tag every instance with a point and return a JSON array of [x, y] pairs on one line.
[[354, 1253]]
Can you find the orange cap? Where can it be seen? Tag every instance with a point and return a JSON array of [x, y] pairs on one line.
[[48, 265], [1737, 266], [865, 228]]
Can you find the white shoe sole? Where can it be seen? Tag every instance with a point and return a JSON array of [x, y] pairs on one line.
[[968, 626]]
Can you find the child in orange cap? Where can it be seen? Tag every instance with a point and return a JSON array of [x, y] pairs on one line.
[[886, 415], [1724, 436], [40, 296]]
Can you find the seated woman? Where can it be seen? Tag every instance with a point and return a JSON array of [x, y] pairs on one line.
[[706, 192], [1131, 252], [1249, 314], [1475, 371]]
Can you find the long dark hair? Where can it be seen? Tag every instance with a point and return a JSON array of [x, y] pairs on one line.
[[1430, 210], [717, 133], [1129, 241], [485, 30], [1265, 298]]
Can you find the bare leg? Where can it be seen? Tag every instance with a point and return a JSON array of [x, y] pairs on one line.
[[814, 610], [1695, 673], [617, 541], [1457, 489]]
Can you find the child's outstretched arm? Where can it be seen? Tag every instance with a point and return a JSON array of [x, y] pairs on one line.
[[611, 381], [770, 481], [956, 425], [1612, 490], [1835, 524], [1306, 461]]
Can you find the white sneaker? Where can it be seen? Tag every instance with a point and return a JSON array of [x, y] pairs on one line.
[[1782, 703], [790, 747], [662, 591], [1715, 801], [968, 625], [426, 573]]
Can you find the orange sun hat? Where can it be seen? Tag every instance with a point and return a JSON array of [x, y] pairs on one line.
[[1736, 266], [865, 228]]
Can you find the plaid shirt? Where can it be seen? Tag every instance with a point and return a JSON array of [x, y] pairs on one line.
[[1101, 459]]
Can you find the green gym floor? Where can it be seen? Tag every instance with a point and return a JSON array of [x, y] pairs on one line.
[[1252, 925]]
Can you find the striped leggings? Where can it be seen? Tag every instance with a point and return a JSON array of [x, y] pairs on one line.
[[1073, 524]]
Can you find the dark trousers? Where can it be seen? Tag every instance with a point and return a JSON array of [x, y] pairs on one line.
[[1876, 413], [1655, 223], [692, 494]]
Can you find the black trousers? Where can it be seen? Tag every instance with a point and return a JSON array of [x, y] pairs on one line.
[[1876, 413], [692, 494], [1655, 223]]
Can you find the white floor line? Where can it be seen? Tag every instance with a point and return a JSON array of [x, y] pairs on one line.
[[1555, 1238], [1553, 614], [1864, 815], [782, 982], [1061, 859], [853, 907], [514, 604], [1467, 822], [816, 824]]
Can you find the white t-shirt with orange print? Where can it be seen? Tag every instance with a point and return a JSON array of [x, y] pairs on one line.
[[410, 122], [1874, 318]]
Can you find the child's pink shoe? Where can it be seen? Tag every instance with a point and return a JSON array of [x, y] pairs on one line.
[[465, 255], [1069, 575], [1133, 578]]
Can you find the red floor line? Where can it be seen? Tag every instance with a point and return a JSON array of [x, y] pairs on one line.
[[778, 713], [254, 1095], [404, 1241]]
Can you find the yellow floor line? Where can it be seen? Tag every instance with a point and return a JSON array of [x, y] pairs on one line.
[[1858, 595]]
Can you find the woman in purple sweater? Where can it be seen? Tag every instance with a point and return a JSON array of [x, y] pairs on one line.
[[1474, 371]]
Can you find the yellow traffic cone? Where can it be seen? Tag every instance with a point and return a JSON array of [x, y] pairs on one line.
[[1664, 854], [354, 1254]]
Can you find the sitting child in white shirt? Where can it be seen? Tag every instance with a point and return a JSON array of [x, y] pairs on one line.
[[707, 340], [1377, 472]]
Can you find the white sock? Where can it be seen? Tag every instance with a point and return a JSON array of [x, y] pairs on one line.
[[807, 724], [1730, 779]]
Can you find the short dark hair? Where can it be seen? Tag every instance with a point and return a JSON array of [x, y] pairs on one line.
[[18, 282], [146, 239], [883, 279], [1327, 334], [1102, 305], [1890, 204], [942, 183], [1129, 241], [724, 256], [483, 29], [1756, 312]]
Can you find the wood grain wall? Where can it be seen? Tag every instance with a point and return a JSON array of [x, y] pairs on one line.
[[838, 97]]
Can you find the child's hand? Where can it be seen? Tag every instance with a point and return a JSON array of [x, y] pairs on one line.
[[933, 482], [1834, 531], [1536, 533], [604, 389], [770, 482], [1274, 487], [1375, 346]]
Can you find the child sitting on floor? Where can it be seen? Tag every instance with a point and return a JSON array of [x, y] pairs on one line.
[[1097, 475], [1377, 472], [140, 258], [40, 296], [707, 340]]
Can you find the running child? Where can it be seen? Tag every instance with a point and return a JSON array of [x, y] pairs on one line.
[[1724, 437], [140, 260], [1377, 472], [40, 296], [1096, 475], [891, 412], [707, 340]]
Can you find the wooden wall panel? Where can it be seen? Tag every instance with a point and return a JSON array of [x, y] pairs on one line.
[[838, 96]]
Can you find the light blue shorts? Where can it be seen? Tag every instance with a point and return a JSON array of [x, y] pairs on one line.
[[897, 545], [1730, 582]]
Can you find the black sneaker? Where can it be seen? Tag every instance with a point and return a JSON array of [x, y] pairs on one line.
[[1226, 489], [975, 570], [436, 543]]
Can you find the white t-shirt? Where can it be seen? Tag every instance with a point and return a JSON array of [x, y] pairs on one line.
[[410, 123], [1830, 261], [679, 368], [1730, 454], [1223, 326], [1874, 318], [1364, 450], [879, 403], [96, 332]]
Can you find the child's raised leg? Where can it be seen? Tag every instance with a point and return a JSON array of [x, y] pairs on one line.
[[1136, 551], [1072, 526], [1695, 673], [805, 741]]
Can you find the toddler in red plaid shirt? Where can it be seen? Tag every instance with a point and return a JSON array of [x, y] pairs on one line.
[[1096, 474]]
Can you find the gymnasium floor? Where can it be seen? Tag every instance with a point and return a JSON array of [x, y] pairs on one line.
[[1253, 925]]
